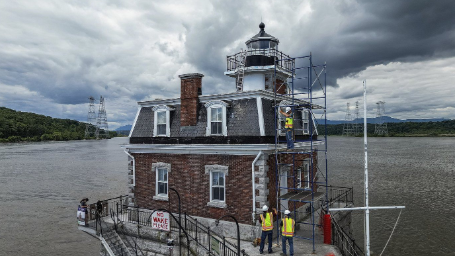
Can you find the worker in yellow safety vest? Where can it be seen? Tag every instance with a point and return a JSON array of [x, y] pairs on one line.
[[266, 220], [289, 127], [287, 231]]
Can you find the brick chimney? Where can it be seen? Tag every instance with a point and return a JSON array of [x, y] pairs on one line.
[[191, 88]]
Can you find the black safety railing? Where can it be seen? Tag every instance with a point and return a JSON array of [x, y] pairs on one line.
[[108, 232], [344, 242], [104, 207], [339, 197], [210, 240], [284, 61], [117, 209], [120, 229]]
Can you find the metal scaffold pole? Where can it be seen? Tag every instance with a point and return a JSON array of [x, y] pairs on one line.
[[296, 168]]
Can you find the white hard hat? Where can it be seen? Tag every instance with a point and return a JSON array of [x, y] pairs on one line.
[[288, 109], [287, 212], [265, 208]]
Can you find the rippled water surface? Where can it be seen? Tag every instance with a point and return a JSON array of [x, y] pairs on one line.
[[415, 172], [42, 183]]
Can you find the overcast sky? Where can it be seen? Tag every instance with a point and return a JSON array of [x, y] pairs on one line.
[[55, 54]]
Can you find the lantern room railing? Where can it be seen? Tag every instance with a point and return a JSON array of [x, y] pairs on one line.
[[285, 62]]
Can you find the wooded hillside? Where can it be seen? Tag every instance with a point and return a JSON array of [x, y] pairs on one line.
[[18, 126], [443, 128]]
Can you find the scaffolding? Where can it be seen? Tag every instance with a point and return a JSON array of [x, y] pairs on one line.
[[301, 185]]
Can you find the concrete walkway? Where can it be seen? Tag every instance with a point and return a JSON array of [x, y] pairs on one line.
[[301, 246]]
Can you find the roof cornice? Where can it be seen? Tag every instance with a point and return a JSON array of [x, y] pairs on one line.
[[226, 96]]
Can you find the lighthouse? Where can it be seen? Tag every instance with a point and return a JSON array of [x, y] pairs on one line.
[[261, 66]]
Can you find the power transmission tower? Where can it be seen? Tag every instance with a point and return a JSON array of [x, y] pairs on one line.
[[380, 127], [357, 125], [90, 128], [102, 129], [348, 127]]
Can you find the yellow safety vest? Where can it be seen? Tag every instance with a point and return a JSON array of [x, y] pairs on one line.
[[267, 223], [288, 227], [289, 122]]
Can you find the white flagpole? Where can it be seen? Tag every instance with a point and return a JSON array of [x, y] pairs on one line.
[[367, 211], [367, 208]]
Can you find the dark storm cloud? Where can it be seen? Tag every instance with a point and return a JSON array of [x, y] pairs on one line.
[[62, 52], [380, 32]]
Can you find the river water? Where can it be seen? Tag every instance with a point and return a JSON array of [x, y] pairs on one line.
[[42, 183], [415, 172]]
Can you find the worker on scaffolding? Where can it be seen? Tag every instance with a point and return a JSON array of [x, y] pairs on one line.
[[288, 125], [287, 232], [266, 221]]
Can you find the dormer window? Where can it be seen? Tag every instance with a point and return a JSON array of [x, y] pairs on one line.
[[216, 118], [162, 127], [216, 121], [161, 123]]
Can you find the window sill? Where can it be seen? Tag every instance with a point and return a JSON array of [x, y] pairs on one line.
[[161, 198], [217, 204]]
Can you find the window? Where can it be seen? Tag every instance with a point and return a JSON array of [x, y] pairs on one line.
[[162, 180], [217, 121], [264, 44], [304, 182], [217, 175], [306, 121], [162, 125], [217, 186], [216, 118]]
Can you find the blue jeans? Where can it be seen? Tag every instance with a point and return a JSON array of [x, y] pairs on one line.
[[263, 235], [291, 244], [289, 138]]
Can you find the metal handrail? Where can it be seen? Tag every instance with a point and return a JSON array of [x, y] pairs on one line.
[[338, 194], [116, 219], [282, 60], [99, 224], [141, 216], [344, 242]]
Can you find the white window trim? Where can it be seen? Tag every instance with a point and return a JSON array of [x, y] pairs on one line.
[[162, 108], [305, 121], [209, 169], [155, 166], [261, 116], [310, 122], [216, 104], [306, 169]]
